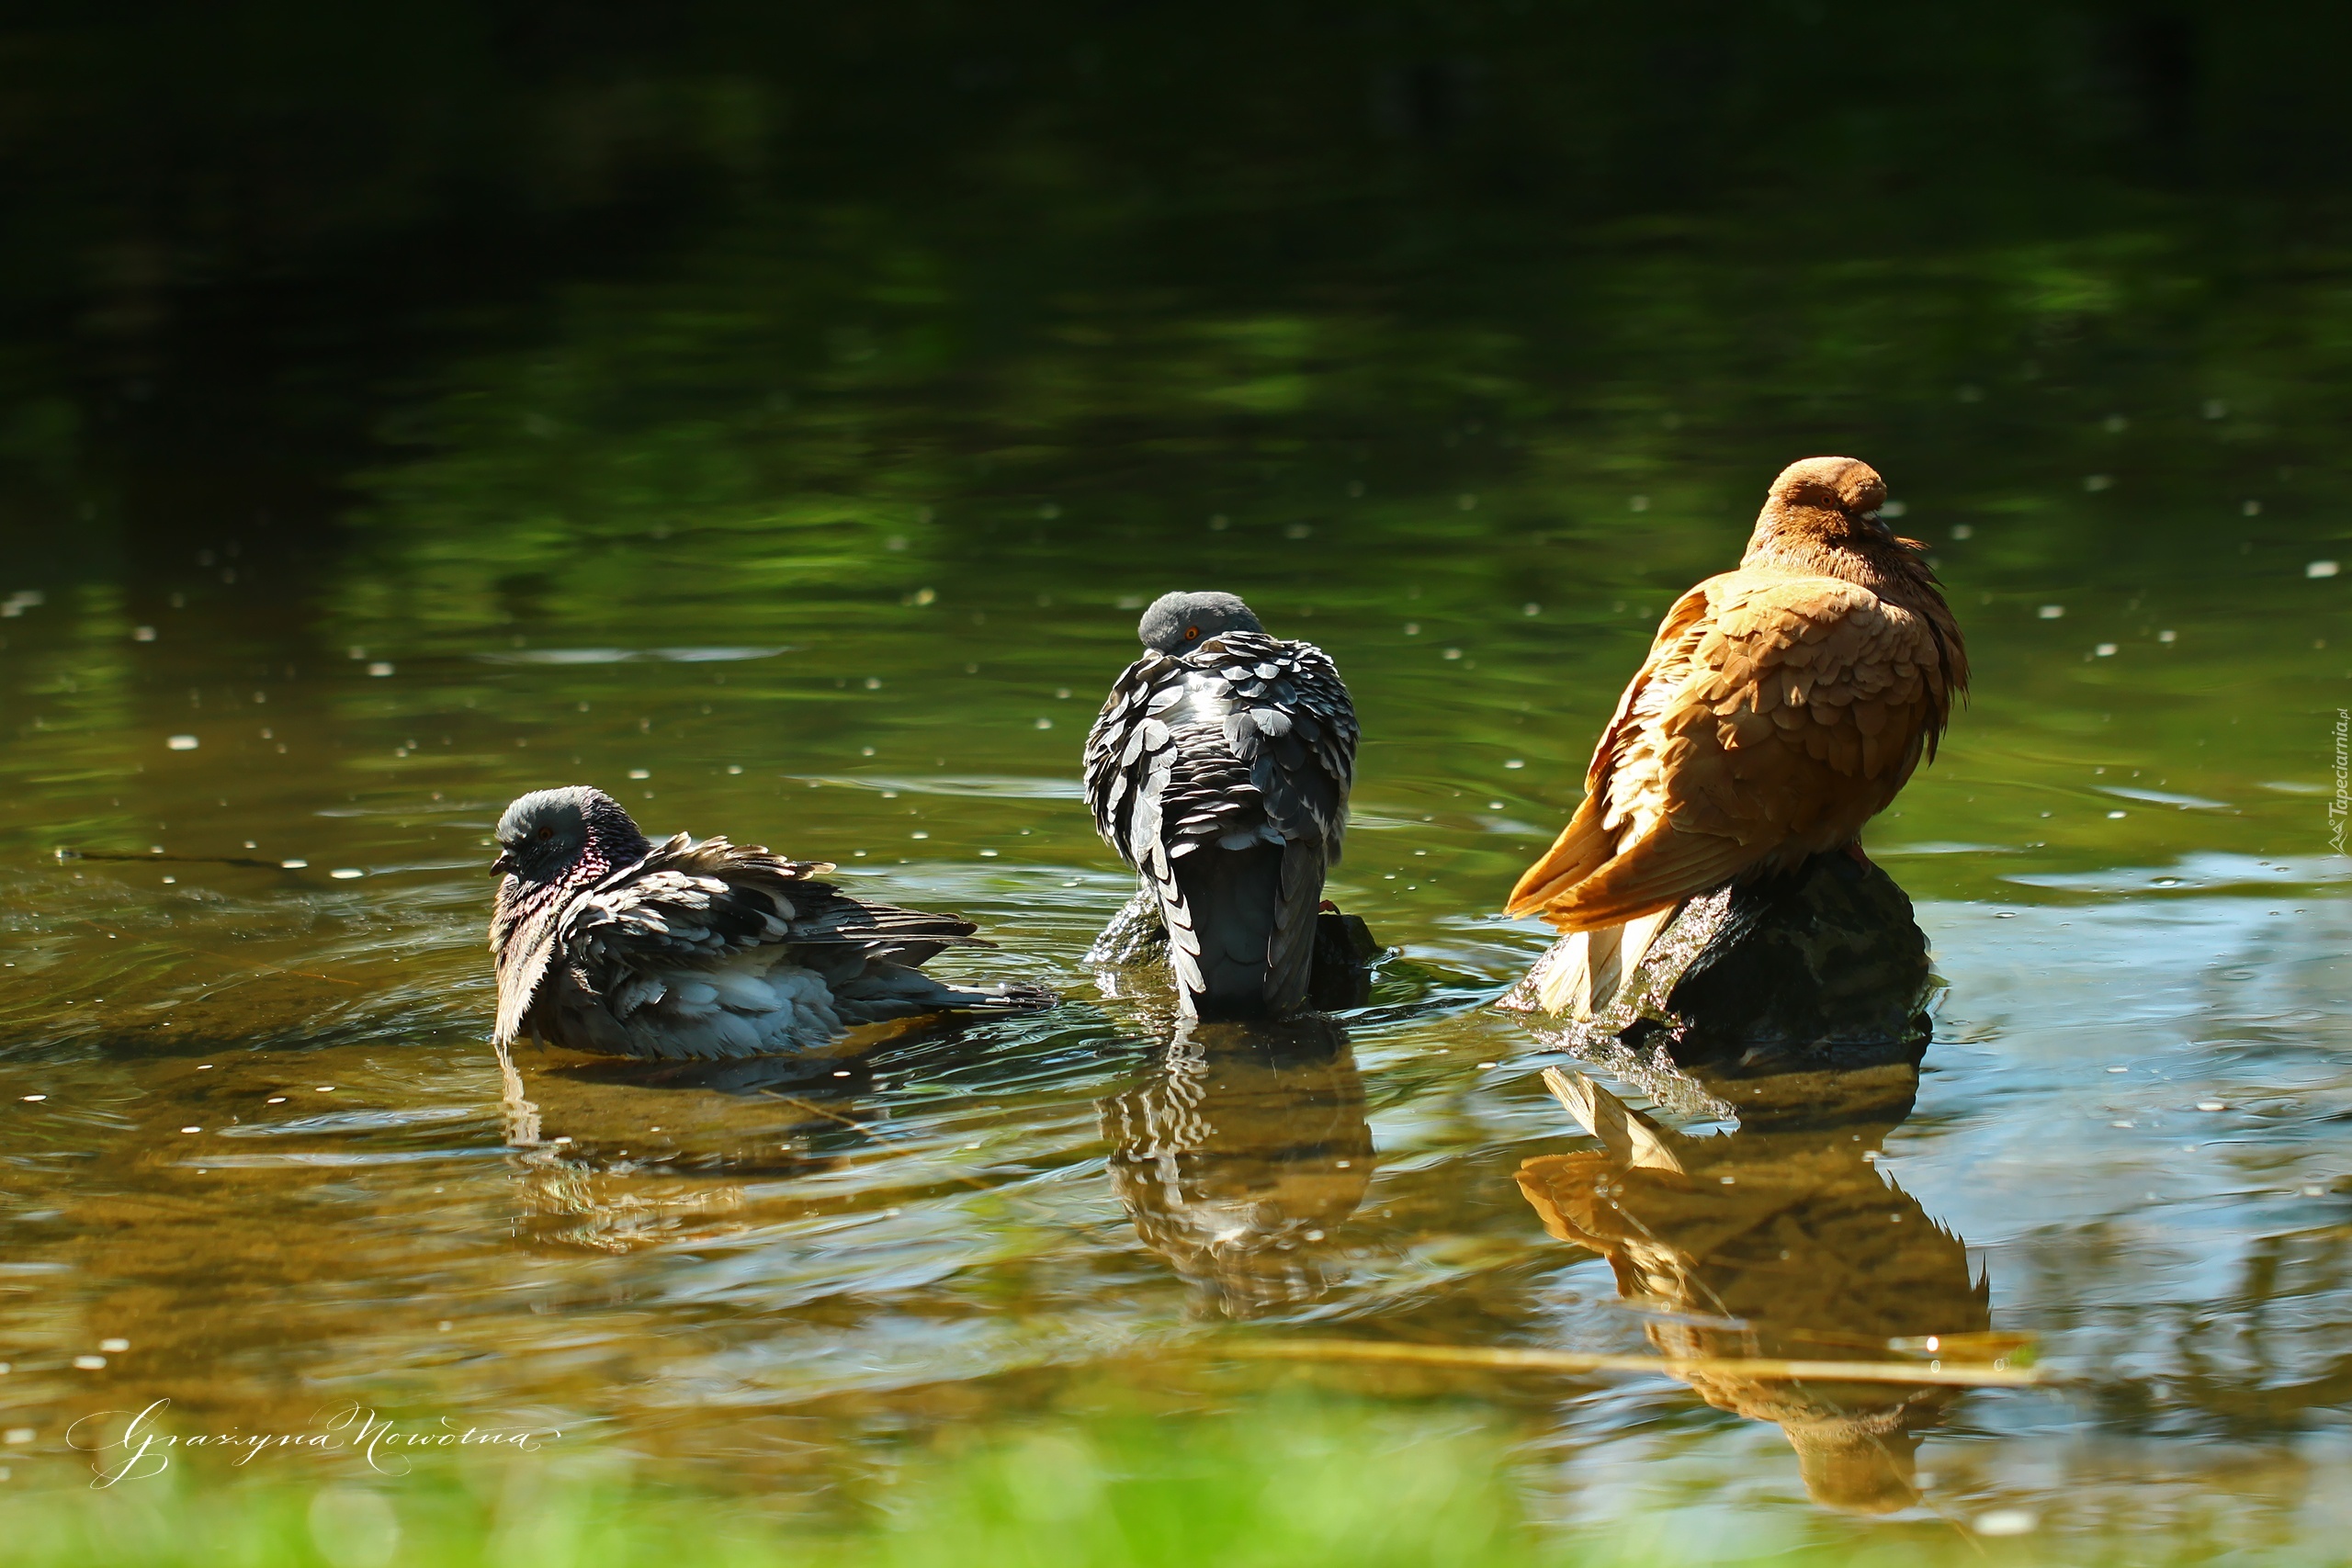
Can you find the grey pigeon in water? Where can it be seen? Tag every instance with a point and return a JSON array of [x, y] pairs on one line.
[[607, 942], [1219, 770]]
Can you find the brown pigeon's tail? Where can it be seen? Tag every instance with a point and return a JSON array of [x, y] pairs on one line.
[[1579, 851], [1586, 969]]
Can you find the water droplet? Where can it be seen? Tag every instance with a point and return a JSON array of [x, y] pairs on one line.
[[2050, 612], [180, 742]]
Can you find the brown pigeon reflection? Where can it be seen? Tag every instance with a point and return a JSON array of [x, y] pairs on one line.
[[1774, 1243], [1241, 1156]]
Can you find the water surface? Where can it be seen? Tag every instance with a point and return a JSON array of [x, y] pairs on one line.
[[807, 538]]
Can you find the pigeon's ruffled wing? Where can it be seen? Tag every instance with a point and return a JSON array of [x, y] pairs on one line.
[[696, 903], [1244, 740], [1775, 716]]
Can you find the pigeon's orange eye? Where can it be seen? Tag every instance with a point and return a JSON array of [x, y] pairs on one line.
[[546, 832], [1191, 632]]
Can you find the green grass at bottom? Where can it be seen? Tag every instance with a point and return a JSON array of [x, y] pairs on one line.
[[1285, 1484]]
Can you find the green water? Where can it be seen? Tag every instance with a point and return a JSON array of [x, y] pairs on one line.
[[825, 524]]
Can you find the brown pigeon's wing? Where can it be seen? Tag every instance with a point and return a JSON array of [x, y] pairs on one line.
[[1804, 708], [1818, 699], [1627, 761]]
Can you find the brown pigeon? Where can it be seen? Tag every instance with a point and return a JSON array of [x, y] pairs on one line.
[[1782, 705]]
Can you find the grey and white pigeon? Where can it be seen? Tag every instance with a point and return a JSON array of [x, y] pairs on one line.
[[1219, 770], [607, 942]]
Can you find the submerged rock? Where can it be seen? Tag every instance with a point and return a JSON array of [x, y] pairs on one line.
[[1823, 970]]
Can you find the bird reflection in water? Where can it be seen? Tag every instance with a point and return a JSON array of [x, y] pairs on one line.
[[1779, 1240], [618, 1154], [1240, 1157]]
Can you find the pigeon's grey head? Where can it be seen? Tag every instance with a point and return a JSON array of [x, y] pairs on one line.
[[1178, 621], [556, 835]]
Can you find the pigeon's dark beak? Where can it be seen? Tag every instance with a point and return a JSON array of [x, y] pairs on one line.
[[503, 863]]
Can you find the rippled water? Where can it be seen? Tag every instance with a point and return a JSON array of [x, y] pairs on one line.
[[742, 543]]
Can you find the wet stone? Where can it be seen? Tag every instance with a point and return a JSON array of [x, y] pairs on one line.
[[1750, 994]]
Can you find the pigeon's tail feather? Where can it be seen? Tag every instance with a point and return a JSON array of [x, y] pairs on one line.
[[1290, 959], [1235, 900], [907, 993], [1585, 970]]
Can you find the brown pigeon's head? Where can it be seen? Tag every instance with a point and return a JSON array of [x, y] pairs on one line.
[[1177, 622], [1837, 484], [565, 835], [1822, 514]]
